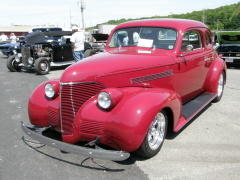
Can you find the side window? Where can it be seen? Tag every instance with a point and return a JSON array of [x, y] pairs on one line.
[[191, 39], [208, 39], [120, 38]]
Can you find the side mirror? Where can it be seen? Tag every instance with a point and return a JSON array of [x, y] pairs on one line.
[[189, 48]]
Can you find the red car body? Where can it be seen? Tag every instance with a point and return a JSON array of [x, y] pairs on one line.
[[141, 81]]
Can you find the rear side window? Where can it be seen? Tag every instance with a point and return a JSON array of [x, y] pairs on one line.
[[208, 39], [192, 38]]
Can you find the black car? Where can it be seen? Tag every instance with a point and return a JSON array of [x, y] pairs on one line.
[[43, 50], [228, 45]]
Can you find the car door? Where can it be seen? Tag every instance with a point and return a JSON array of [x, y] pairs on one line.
[[192, 69], [62, 52]]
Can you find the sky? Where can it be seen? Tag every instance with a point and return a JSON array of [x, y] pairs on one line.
[[64, 12]]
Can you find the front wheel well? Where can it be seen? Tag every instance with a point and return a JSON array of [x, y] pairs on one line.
[[170, 121]]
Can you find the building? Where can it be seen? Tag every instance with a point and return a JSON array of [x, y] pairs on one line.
[[17, 30]]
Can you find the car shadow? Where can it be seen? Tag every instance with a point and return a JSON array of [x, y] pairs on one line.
[[131, 160], [37, 147]]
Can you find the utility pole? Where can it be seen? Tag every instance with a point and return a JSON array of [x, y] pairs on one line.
[[203, 16], [82, 7], [70, 19]]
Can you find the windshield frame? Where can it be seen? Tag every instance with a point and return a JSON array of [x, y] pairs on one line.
[[144, 36]]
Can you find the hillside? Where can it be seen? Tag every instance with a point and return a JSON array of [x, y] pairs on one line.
[[224, 17]]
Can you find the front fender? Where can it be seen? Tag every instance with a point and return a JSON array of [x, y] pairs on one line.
[[39, 104], [127, 123]]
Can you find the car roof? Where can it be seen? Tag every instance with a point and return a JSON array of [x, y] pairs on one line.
[[179, 24]]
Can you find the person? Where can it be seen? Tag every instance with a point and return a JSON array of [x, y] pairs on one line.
[[13, 38], [77, 44], [125, 40], [3, 38]]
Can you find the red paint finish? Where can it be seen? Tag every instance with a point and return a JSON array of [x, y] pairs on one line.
[[140, 80]]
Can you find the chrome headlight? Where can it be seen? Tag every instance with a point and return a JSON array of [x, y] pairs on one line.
[[104, 100], [49, 90], [14, 52], [17, 58], [30, 60]]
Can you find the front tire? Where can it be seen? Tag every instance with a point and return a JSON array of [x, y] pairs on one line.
[[12, 64], [156, 134], [42, 66], [220, 88]]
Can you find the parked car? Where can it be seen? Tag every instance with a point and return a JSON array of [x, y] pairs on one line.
[[228, 45], [45, 29], [9, 49], [98, 46], [44, 50], [152, 82]]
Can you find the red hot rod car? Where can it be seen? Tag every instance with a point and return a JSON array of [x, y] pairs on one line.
[[155, 75]]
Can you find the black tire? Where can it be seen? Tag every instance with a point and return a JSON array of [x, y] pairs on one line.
[[155, 136], [12, 64], [221, 82], [42, 66], [89, 52]]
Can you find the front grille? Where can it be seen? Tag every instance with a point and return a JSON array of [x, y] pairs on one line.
[[26, 53], [4, 48], [53, 118], [91, 127], [73, 96], [230, 54]]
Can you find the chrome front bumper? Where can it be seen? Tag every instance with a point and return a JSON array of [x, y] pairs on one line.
[[84, 151]]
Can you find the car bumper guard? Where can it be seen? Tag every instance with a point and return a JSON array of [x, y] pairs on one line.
[[35, 133]]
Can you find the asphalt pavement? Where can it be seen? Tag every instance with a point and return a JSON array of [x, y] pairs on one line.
[[207, 148]]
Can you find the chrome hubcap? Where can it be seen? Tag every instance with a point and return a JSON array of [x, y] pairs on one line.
[[220, 85], [43, 66], [156, 131]]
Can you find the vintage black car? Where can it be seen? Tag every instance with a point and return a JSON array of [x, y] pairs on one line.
[[44, 50]]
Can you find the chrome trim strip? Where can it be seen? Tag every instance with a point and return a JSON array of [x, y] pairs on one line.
[[151, 77], [230, 57]]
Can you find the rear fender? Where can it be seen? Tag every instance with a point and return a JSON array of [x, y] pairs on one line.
[[127, 123], [211, 84]]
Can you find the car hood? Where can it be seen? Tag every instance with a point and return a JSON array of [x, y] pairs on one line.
[[100, 37], [9, 45], [114, 63], [228, 37]]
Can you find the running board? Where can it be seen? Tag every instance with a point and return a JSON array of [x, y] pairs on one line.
[[190, 109]]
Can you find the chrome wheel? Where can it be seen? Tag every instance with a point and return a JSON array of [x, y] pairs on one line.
[[43, 66], [155, 136], [220, 88], [220, 85], [156, 132]]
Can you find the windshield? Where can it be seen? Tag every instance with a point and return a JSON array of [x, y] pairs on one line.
[[162, 38]]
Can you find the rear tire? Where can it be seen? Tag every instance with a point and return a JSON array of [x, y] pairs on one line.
[[12, 64], [89, 52], [155, 136], [42, 66], [220, 87]]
